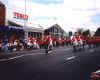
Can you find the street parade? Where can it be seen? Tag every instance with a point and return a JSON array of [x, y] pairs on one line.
[[49, 40]]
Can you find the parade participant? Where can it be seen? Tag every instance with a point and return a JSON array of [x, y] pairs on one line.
[[15, 45], [25, 43], [29, 43], [46, 43], [38, 44], [68, 41], [75, 41], [10, 46], [30, 39], [20, 46], [57, 41], [54, 41], [82, 40], [50, 46], [75, 38], [35, 42], [41, 43], [62, 41], [0, 45], [89, 42]]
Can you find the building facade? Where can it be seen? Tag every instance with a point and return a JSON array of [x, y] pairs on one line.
[[2, 14], [35, 31], [55, 30], [18, 22]]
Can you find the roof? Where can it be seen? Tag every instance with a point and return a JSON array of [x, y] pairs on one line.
[[1, 3], [33, 29], [56, 25]]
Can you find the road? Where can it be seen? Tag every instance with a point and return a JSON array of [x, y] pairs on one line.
[[62, 64]]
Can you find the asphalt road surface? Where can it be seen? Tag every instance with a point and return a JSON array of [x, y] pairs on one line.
[[62, 64]]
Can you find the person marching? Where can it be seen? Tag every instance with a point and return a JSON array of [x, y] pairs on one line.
[[82, 40], [75, 40], [50, 46], [29, 43], [48, 43]]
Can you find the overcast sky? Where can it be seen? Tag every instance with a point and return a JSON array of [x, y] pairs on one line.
[[70, 14]]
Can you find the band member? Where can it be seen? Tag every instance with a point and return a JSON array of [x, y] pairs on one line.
[[48, 42], [82, 40], [75, 41]]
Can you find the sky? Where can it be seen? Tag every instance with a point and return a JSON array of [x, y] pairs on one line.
[[69, 14]]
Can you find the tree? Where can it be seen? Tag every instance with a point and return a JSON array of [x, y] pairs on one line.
[[97, 33], [86, 33]]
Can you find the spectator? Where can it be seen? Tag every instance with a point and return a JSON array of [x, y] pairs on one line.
[[15, 45], [10, 46], [54, 41], [0, 45], [4, 47]]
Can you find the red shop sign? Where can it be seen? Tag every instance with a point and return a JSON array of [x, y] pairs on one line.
[[20, 16]]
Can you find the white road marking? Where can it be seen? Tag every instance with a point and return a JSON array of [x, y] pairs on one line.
[[11, 58], [25, 55], [18, 57], [70, 58], [49, 51], [15, 57]]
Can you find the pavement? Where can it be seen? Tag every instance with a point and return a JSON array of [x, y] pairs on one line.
[[62, 64]]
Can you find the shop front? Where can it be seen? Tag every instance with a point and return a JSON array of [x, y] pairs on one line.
[[17, 32], [11, 31], [33, 32]]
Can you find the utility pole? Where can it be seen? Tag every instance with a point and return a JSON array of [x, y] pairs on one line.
[[24, 27], [25, 14]]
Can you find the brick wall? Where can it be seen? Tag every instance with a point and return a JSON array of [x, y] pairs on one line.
[[2, 15]]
